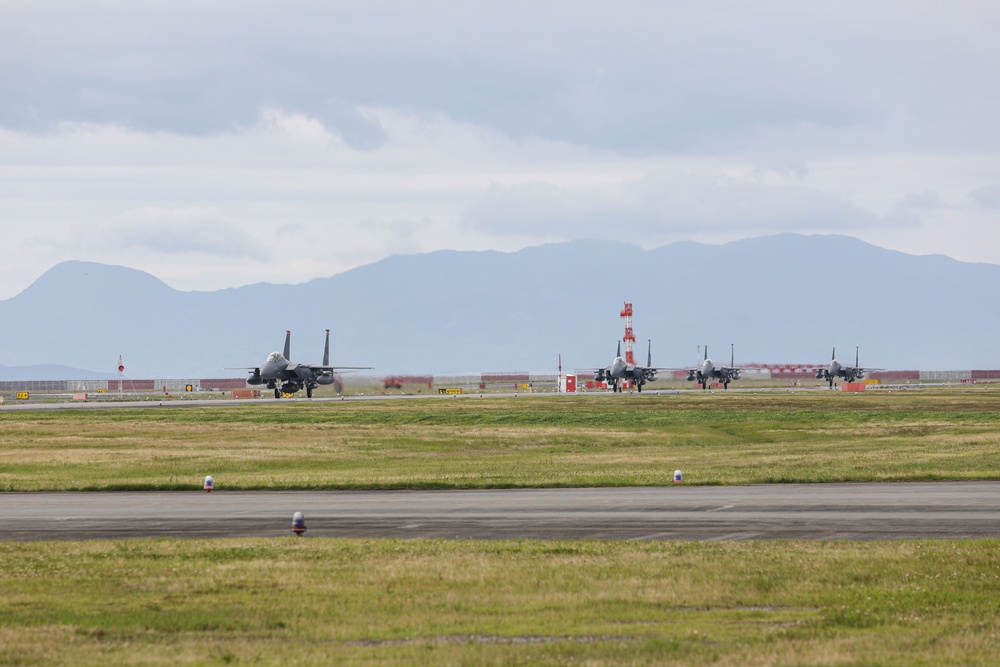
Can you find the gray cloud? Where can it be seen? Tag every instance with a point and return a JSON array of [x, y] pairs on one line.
[[782, 167], [926, 199], [667, 204], [186, 130], [636, 77], [184, 231], [357, 129], [988, 197]]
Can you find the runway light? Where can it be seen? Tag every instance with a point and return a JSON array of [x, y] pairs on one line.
[[677, 476], [298, 524], [209, 484]]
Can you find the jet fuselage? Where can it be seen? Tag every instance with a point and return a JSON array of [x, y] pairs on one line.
[[620, 370], [708, 371], [837, 370], [285, 377]]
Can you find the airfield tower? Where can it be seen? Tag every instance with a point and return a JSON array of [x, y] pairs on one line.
[[629, 338]]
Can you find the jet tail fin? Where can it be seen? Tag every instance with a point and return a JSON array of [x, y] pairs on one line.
[[326, 349], [288, 345], [619, 349], [649, 354]]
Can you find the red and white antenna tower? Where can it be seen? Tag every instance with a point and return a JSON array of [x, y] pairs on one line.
[[121, 370], [629, 338]]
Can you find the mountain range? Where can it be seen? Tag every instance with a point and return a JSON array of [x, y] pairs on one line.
[[779, 299]]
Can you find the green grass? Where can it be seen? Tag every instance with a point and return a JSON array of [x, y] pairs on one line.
[[718, 438], [423, 602], [511, 442], [309, 601]]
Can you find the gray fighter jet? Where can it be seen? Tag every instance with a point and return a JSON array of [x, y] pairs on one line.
[[284, 377], [836, 370], [620, 371], [708, 371]]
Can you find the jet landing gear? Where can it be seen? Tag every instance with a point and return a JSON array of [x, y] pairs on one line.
[[279, 392], [617, 385], [706, 382]]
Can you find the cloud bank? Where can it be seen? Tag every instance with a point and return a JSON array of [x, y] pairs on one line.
[[234, 142]]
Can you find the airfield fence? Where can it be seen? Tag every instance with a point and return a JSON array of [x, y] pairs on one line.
[[175, 385], [127, 385], [514, 379]]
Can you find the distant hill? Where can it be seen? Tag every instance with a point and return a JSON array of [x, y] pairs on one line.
[[782, 299]]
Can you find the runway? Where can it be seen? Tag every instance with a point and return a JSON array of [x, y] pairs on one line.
[[892, 511]]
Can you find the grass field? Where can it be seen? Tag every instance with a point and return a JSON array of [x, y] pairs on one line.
[[318, 601], [325, 601], [718, 438]]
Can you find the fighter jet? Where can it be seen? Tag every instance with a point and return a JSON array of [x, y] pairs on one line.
[[619, 371], [284, 377], [836, 370], [708, 371]]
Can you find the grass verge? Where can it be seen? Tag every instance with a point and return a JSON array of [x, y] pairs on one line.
[[308, 601], [718, 438]]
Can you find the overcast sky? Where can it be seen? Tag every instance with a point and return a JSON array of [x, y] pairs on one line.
[[225, 143]]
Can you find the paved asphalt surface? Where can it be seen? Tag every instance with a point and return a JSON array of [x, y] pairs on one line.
[[800, 511]]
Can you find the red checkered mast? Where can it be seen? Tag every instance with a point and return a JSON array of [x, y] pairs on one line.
[[629, 338]]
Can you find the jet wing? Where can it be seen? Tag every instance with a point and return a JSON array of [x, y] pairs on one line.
[[307, 371], [650, 369], [340, 369]]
